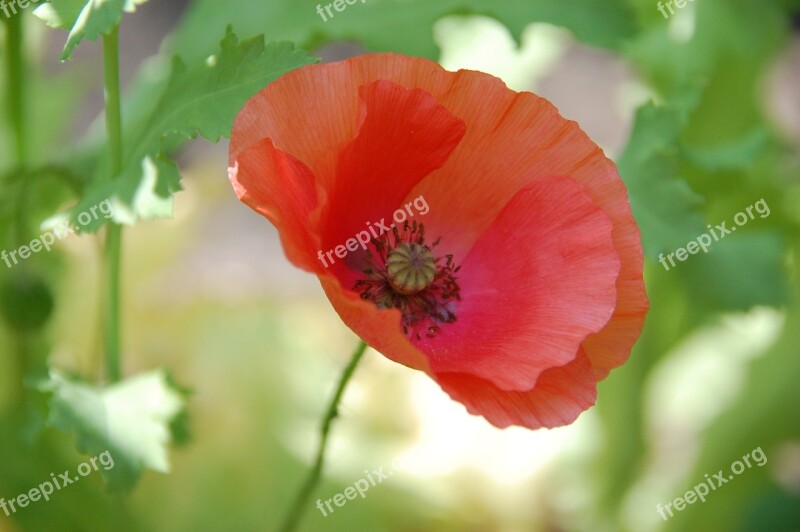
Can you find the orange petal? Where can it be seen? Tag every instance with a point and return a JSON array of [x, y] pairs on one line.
[[378, 328], [282, 189], [558, 399]]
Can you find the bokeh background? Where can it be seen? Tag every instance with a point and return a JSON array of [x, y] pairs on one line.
[[702, 113]]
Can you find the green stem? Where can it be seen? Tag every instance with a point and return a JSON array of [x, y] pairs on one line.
[[113, 249], [113, 260], [16, 86], [113, 100], [299, 506], [15, 98]]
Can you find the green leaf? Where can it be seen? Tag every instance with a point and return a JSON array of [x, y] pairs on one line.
[[667, 210], [741, 271], [201, 99], [84, 19], [401, 26], [739, 153], [131, 420], [142, 192]]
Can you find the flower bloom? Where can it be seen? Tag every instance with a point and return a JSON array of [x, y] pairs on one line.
[[521, 285]]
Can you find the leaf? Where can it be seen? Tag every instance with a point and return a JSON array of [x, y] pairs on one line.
[[739, 153], [201, 99], [84, 19], [131, 420], [141, 192], [667, 210], [741, 271], [402, 26]]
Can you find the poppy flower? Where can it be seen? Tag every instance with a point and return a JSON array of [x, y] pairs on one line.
[[500, 257]]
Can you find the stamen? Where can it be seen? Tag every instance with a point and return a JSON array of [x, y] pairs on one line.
[[404, 273]]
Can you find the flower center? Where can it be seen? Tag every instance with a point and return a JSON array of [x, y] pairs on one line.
[[405, 273], [411, 268]]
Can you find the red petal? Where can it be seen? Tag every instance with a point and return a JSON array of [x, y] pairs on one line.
[[378, 328], [313, 111], [538, 281], [404, 136], [558, 399], [513, 139], [282, 189]]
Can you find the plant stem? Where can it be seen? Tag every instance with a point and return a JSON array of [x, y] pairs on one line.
[[17, 105], [15, 98], [113, 249], [112, 99], [16, 86], [113, 256], [298, 508]]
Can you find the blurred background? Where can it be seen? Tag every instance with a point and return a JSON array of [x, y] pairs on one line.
[[701, 110]]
